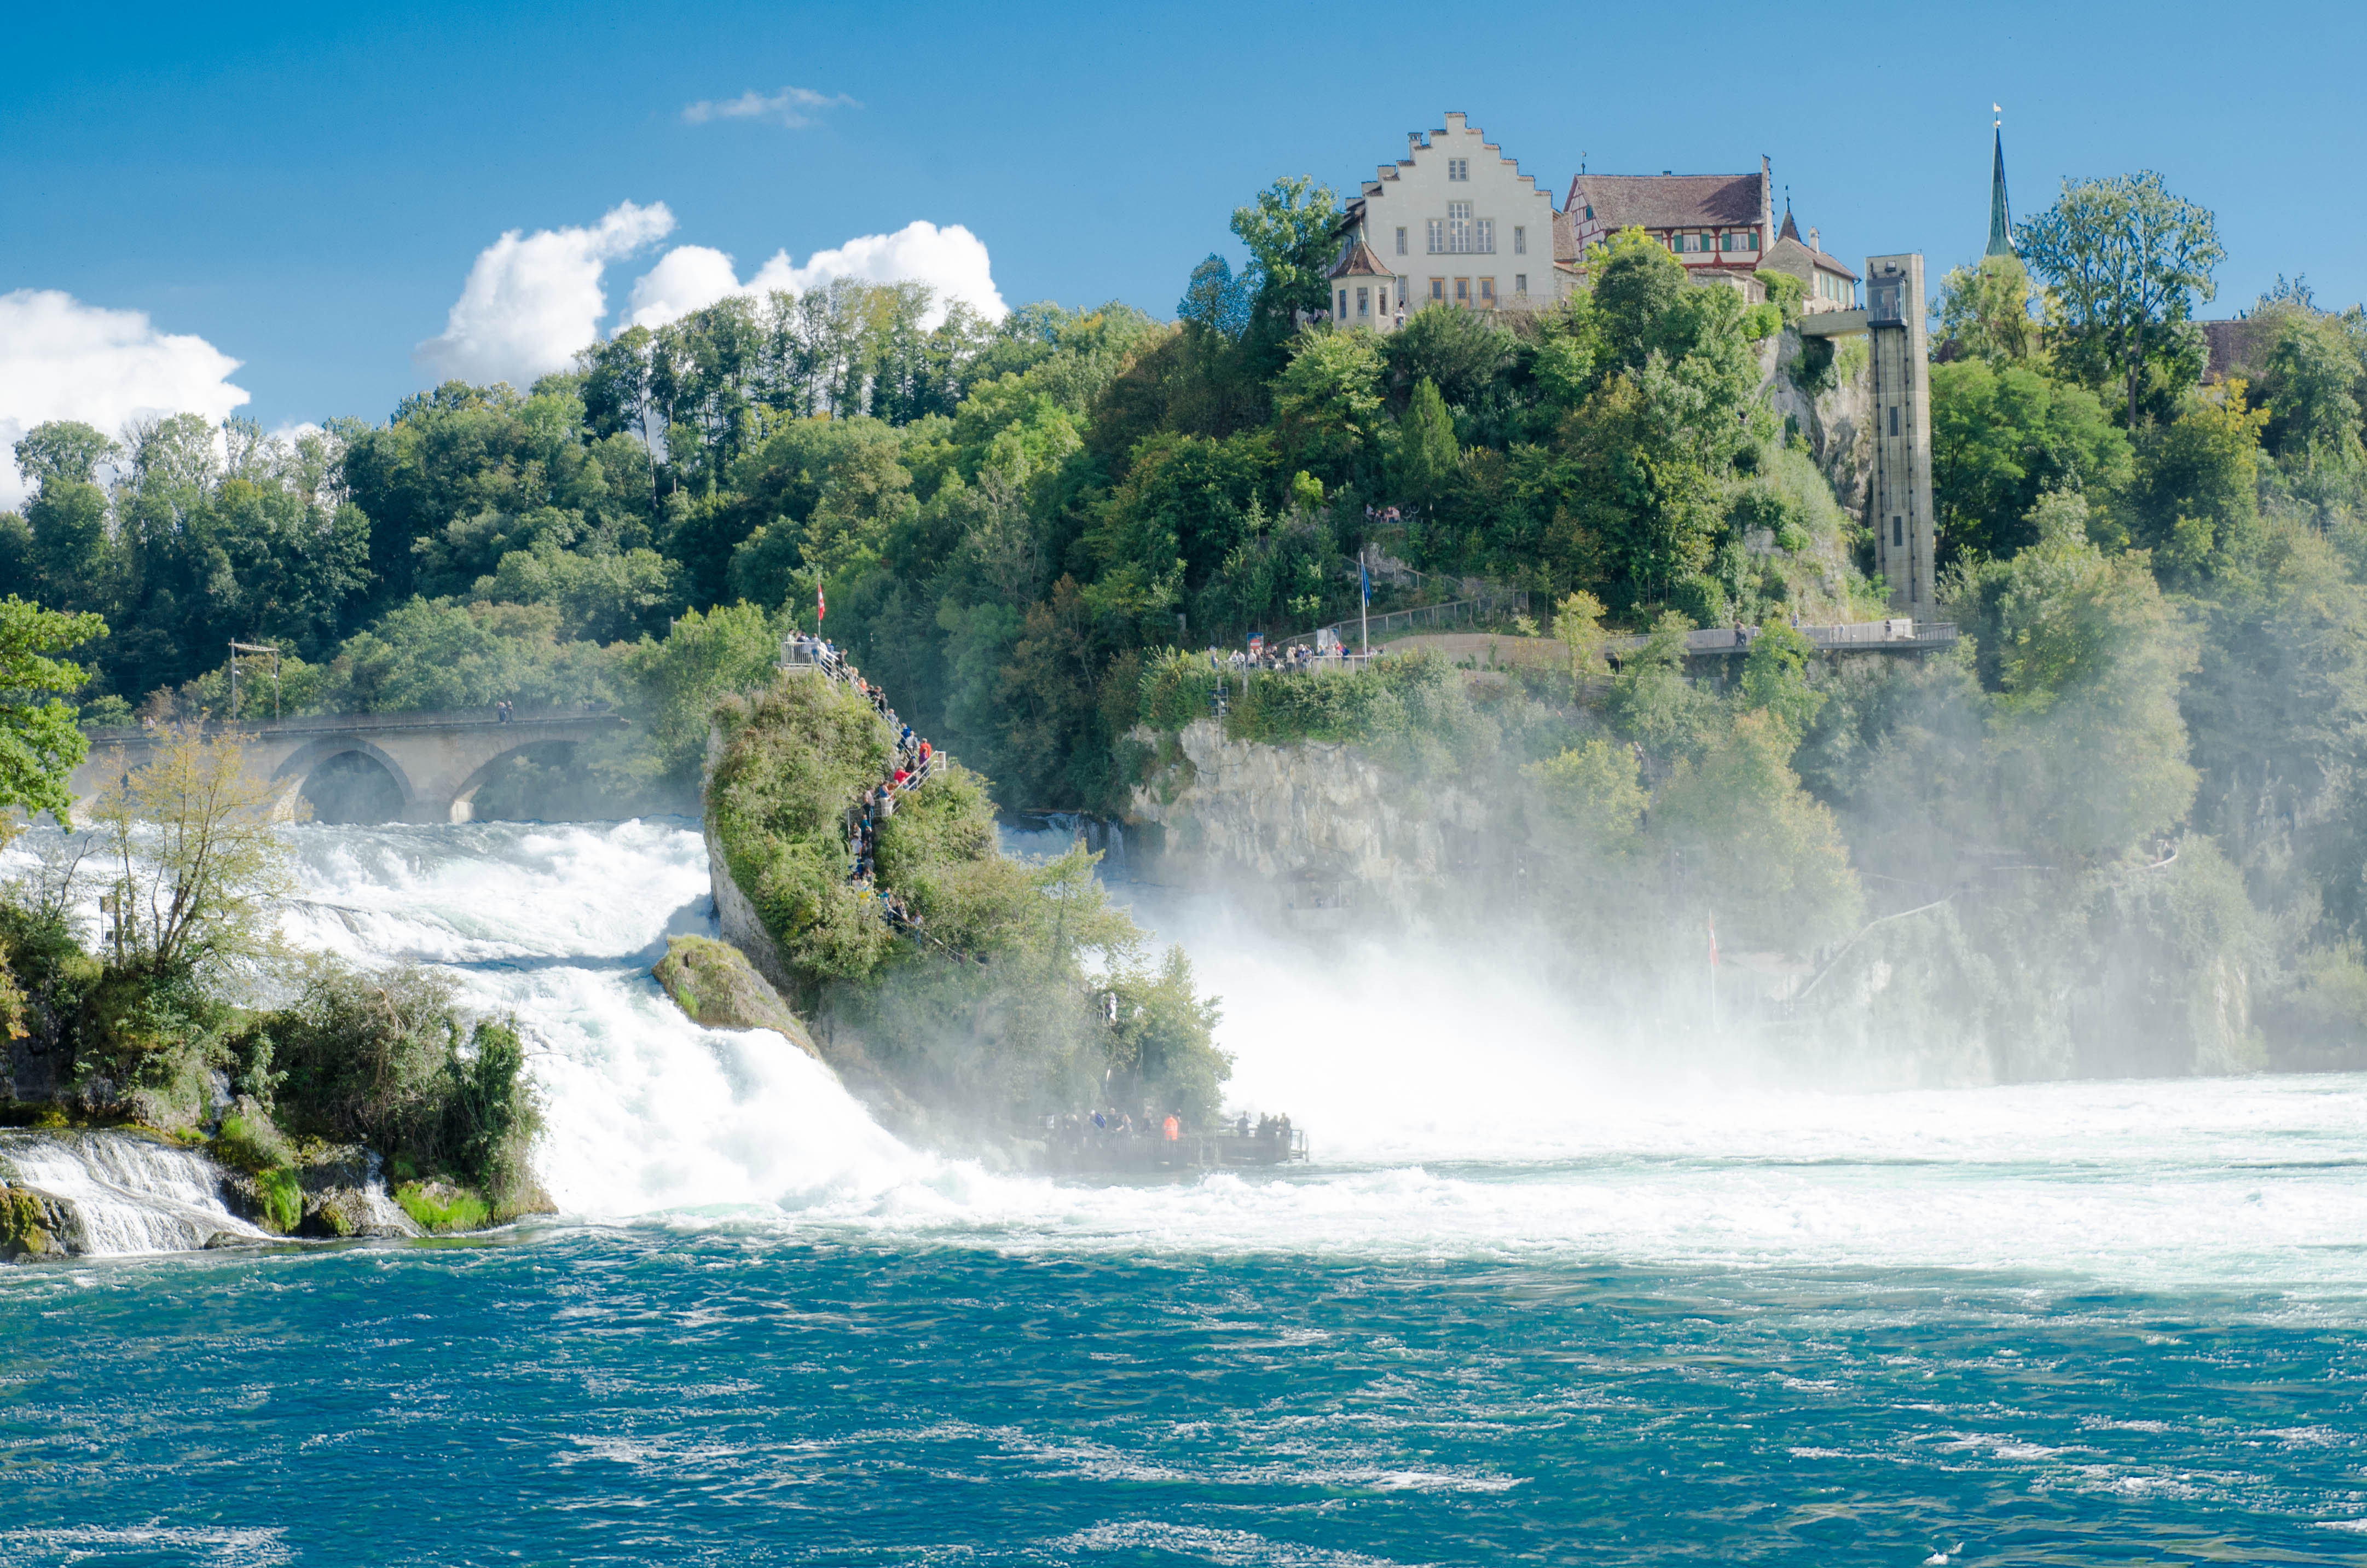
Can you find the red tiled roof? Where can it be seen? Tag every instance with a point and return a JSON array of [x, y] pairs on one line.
[[1668, 201]]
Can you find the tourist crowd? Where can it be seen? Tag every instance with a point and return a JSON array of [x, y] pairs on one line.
[[909, 766]]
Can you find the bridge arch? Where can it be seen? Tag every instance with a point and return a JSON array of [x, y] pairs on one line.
[[463, 806], [307, 762]]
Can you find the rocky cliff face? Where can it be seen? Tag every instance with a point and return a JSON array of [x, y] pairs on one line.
[[1837, 424], [1294, 824]]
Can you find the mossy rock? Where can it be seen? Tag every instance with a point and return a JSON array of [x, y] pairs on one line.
[[278, 1200], [443, 1206], [31, 1225], [714, 984]]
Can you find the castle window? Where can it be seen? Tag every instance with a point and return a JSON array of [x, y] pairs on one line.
[[1458, 169], [1343, 304], [1894, 419], [1483, 236], [1520, 240], [1521, 283], [1401, 250], [1364, 302], [1589, 213], [1897, 525], [1437, 235], [1458, 227]]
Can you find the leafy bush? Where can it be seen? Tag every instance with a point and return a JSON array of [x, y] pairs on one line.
[[795, 757], [379, 1059]]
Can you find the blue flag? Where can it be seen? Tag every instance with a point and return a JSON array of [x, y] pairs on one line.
[[1366, 578]]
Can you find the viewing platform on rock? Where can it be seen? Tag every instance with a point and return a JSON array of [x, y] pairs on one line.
[[1503, 649]]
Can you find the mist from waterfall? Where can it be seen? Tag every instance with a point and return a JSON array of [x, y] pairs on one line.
[[1456, 1108]]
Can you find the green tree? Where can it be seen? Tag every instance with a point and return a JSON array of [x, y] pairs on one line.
[[1651, 699], [1328, 405], [2194, 499], [1215, 301], [2003, 435], [1461, 352], [198, 868], [1775, 677], [1290, 232], [1757, 852], [2090, 742], [2312, 386], [1424, 458], [1985, 310], [40, 744], [2124, 262], [1593, 792], [64, 451]]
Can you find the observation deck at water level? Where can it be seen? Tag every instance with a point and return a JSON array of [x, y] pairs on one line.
[[1091, 1148]]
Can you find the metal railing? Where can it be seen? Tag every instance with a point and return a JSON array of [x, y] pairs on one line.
[[330, 723], [1454, 612]]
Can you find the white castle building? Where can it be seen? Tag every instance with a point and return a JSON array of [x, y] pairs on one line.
[[1453, 222]]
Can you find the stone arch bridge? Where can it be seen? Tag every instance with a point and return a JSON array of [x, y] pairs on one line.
[[436, 761]]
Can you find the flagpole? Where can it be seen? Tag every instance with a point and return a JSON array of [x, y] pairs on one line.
[[1713, 976]]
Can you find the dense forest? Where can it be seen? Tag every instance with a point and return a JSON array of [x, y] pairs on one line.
[[2162, 576]]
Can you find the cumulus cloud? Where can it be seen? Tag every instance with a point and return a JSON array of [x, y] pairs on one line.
[[687, 279], [793, 107], [63, 359], [531, 300], [952, 261]]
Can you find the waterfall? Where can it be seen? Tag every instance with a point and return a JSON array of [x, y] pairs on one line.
[[128, 1193], [557, 925]]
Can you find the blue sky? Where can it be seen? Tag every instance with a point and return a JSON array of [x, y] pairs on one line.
[[307, 188]]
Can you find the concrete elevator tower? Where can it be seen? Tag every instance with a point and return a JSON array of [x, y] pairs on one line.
[[1898, 503], [1901, 493]]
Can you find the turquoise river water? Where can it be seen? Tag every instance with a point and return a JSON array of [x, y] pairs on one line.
[[1522, 1308]]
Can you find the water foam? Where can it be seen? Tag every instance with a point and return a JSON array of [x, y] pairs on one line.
[[1454, 1114], [646, 1111], [130, 1195]]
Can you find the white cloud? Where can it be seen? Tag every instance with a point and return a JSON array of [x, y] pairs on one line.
[[533, 300], [63, 359], [952, 261], [792, 107], [687, 279]]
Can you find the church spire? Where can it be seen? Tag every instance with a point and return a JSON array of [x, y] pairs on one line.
[[2000, 216]]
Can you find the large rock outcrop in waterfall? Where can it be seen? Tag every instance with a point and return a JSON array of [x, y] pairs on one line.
[[1290, 824]]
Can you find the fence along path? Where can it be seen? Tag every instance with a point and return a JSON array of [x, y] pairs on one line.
[[799, 651]]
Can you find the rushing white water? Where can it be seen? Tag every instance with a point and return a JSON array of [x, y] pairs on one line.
[[129, 1193], [1455, 1111], [645, 1110]]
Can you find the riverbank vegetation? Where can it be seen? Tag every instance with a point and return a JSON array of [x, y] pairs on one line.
[[182, 1014]]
